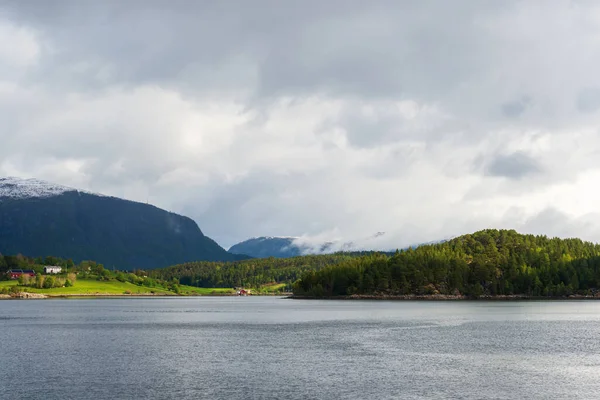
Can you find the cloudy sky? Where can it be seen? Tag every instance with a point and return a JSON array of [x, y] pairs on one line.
[[329, 119]]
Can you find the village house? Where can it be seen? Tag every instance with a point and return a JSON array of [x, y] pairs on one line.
[[52, 269], [16, 273], [242, 291]]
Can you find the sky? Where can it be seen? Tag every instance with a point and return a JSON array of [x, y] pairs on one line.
[[327, 120]]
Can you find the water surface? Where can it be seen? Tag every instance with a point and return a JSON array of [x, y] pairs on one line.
[[265, 347]]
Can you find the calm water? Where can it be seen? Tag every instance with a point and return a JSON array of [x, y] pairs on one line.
[[261, 348]]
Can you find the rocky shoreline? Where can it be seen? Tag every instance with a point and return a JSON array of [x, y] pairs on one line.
[[23, 295], [27, 295]]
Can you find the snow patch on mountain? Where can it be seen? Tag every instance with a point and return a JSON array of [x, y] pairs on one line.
[[263, 238], [18, 188]]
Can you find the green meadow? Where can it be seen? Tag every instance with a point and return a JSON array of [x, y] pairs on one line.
[[87, 287], [274, 288]]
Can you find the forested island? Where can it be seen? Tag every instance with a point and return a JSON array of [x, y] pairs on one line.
[[485, 264]]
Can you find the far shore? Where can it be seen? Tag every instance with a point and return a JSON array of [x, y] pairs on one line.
[[434, 297], [443, 297], [28, 295]]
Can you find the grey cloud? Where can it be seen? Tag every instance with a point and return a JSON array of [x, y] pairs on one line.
[[513, 166], [367, 131], [588, 100], [515, 109], [263, 203], [380, 48], [262, 50], [553, 222]]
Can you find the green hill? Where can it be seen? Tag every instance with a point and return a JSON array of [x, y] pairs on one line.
[[489, 262]]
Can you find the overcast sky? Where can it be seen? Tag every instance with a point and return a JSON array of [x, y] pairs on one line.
[[329, 119]]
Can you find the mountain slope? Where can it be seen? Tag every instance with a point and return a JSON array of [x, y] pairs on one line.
[[39, 219], [265, 246]]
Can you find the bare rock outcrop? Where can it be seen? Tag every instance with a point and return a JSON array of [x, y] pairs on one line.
[[27, 295]]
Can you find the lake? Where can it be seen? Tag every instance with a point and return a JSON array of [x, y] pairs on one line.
[[273, 348]]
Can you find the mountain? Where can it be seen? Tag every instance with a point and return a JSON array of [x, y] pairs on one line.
[[267, 246], [288, 246], [38, 218]]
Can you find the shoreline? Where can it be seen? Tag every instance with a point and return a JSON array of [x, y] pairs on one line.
[[435, 297], [442, 297], [40, 296]]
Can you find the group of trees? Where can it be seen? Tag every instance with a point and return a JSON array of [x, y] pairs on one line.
[[489, 262], [247, 273], [19, 261], [140, 278], [48, 281]]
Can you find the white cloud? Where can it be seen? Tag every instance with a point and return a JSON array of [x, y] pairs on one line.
[[19, 47]]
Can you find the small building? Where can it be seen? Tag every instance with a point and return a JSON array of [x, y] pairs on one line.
[[16, 273], [52, 269]]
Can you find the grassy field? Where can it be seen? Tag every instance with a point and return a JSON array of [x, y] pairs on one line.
[[196, 291], [271, 289], [93, 287]]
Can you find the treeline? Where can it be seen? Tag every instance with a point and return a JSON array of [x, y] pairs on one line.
[[247, 273], [47, 281], [19, 261], [489, 262]]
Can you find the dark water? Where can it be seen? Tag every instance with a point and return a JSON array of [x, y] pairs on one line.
[[262, 348]]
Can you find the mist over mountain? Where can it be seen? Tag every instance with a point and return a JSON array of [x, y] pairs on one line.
[[267, 246], [38, 218], [289, 246]]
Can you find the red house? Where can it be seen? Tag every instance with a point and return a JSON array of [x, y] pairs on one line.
[[16, 273]]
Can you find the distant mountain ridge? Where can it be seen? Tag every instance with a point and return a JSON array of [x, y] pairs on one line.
[[267, 246], [290, 246], [38, 218]]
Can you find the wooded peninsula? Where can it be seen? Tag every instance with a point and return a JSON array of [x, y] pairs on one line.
[[488, 263]]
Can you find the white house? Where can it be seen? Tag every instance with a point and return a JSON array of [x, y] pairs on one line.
[[51, 269]]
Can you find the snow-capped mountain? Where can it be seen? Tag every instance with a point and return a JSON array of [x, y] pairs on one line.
[[39, 219], [17, 188]]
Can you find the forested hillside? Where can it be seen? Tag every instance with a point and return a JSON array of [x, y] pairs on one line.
[[489, 262], [250, 273]]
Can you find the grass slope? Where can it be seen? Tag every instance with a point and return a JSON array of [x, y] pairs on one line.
[[271, 288], [114, 287], [198, 291]]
